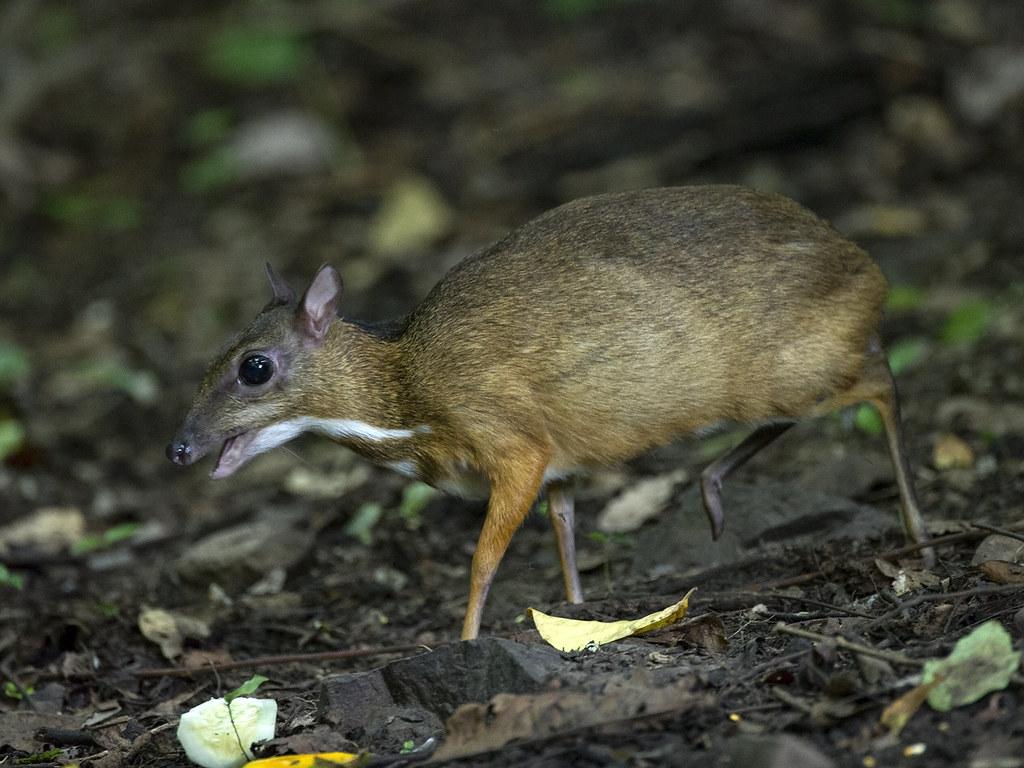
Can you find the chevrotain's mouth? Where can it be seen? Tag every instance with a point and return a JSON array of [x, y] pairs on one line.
[[233, 454]]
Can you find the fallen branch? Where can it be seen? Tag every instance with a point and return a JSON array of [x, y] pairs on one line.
[[256, 661], [841, 642]]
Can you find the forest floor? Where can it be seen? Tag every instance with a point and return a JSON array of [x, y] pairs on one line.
[[151, 159]]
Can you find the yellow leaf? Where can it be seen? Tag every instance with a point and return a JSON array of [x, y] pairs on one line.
[[898, 713], [319, 760], [572, 635]]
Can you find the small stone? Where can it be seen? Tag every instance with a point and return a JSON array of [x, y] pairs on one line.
[[777, 751], [993, 78]]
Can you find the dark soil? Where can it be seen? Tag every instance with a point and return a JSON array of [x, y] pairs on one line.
[[154, 155]]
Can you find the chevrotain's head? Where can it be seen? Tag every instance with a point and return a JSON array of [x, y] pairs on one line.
[[248, 390]]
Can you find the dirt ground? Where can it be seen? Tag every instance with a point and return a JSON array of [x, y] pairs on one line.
[[154, 155]]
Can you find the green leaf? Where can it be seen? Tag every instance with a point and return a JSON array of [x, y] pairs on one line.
[[108, 538], [407, 746], [415, 497], [968, 323], [246, 688], [14, 364], [12, 691], [9, 579], [256, 57], [573, 10], [91, 211], [12, 437], [40, 757], [207, 127], [215, 170], [362, 522], [904, 297], [868, 420], [982, 662], [906, 353]]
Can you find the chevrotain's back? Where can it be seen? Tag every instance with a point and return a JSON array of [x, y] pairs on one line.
[[624, 319]]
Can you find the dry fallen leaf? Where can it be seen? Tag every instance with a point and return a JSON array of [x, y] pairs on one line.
[[48, 530], [896, 716], [639, 503], [168, 629], [950, 452], [319, 760], [981, 662], [569, 635], [1003, 572]]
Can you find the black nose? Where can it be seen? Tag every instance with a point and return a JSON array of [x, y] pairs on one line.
[[179, 452]]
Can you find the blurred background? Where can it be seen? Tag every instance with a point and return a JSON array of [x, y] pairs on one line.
[[153, 155]]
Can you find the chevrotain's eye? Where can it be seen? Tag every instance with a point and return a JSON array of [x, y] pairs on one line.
[[256, 370]]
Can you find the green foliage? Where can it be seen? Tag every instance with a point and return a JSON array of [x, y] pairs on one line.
[[14, 364], [12, 437], [207, 127], [94, 212], [40, 757], [868, 420], [12, 691], [906, 353], [55, 29], [407, 746], [363, 521], [106, 539], [215, 170], [904, 297], [573, 10], [968, 322], [897, 13], [254, 57], [10, 579], [415, 497], [112, 374], [246, 688]]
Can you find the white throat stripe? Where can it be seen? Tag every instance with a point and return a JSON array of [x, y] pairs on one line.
[[280, 433]]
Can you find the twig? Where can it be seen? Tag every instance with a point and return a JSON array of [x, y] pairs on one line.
[[256, 661], [1001, 531], [849, 645], [934, 597], [266, 661]]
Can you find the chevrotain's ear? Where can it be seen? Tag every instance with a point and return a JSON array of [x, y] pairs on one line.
[[283, 293], [319, 306]]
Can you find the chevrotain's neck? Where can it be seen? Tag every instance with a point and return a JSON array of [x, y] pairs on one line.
[[360, 376]]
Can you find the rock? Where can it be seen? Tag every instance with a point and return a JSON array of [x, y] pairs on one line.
[[755, 514], [242, 555], [471, 671], [782, 751], [351, 700], [407, 699], [993, 78], [999, 547], [283, 144]]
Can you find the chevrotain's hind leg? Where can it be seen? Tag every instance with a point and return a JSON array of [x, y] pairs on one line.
[[887, 402], [514, 486], [876, 386], [713, 475], [561, 512]]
